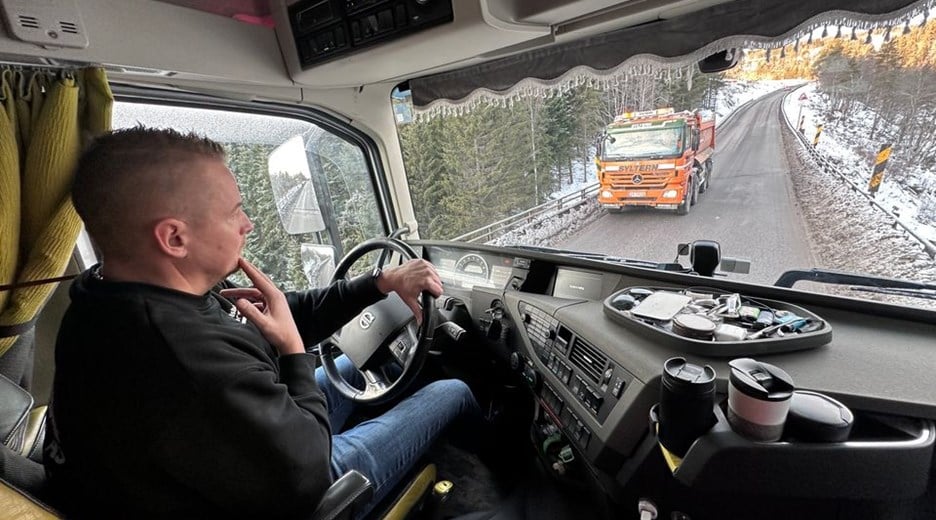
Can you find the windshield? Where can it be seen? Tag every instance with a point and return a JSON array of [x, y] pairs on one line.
[[639, 143], [821, 154]]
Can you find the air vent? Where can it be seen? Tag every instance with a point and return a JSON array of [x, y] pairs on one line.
[[69, 27], [48, 23], [587, 358], [29, 22]]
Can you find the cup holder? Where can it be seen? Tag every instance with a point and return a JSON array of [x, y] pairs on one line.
[[884, 457]]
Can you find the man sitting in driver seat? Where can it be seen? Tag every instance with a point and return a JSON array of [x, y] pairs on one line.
[[165, 405]]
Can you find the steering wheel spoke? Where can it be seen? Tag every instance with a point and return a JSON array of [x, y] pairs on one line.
[[376, 382], [403, 347]]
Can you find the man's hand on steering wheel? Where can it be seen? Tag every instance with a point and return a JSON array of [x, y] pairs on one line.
[[409, 280]]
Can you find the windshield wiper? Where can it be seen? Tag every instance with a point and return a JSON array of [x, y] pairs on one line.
[[664, 266], [858, 282], [926, 294]]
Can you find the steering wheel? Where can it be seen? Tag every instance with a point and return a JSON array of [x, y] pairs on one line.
[[383, 338]]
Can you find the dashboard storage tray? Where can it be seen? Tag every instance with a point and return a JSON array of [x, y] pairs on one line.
[[884, 457], [710, 322]]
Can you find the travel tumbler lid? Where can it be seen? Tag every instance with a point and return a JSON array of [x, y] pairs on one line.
[[683, 377], [761, 381]]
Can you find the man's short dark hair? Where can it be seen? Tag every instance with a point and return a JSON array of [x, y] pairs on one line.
[[120, 172]]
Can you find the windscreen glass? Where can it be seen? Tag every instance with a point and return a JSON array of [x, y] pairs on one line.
[[816, 150]]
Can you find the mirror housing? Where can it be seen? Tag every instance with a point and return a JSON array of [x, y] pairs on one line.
[[720, 61], [704, 255], [293, 188]]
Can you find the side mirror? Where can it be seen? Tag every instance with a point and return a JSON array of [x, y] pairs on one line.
[[720, 61], [318, 263], [293, 190]]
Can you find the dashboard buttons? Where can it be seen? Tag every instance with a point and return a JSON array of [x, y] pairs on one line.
[[531, 377], [617, 387]]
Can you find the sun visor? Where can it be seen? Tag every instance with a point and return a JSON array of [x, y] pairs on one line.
[[673, 46]]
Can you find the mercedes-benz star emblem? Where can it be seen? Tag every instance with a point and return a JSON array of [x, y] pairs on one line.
[[637, 179], [366, 320]]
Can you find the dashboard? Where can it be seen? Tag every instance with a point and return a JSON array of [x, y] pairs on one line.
[[597, 380]]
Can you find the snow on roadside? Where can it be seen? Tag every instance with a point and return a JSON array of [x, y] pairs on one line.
[[738, 92], [874, 247], [549, 231], [843, 140]]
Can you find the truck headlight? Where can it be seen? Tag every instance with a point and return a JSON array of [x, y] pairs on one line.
[[669, 194], [612, 168], [606, 194], [666, 166]]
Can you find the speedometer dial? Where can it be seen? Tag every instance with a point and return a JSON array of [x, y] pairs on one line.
[[473, 265]]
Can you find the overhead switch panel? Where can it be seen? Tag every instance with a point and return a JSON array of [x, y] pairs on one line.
[[327, 29]]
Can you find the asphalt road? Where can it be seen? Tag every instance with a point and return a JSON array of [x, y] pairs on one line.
[[749, 209]]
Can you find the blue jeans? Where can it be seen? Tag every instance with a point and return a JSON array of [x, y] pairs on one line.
[[385, 448]]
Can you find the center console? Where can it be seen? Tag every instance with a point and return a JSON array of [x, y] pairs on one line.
[[595, 381]]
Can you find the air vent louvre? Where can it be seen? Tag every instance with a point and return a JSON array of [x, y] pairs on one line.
[[587, 358], [49, 23], [30, 22]]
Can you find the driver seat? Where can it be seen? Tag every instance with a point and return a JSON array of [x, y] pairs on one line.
[[22, 478], [341, 501]]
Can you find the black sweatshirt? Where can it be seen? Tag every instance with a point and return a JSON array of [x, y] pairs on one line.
[[166, 406]]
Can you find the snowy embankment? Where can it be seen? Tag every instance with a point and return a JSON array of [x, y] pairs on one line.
[[556, 228], [845, 141], [847, 232]]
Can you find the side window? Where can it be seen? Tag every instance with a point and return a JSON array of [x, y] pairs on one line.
[[307, 189]]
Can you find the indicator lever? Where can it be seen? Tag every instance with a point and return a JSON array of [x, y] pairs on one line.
[[452, 330]]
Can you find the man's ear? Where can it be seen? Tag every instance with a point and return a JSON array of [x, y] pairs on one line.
[[171, 236]]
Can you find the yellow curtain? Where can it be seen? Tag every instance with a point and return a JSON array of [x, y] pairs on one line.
[[45, 119]]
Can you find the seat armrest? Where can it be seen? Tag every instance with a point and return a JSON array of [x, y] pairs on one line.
[[344, 497]]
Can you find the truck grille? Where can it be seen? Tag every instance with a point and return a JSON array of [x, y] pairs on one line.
[[649, 180]]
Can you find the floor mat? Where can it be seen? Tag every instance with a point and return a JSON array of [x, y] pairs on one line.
[[476, 488]]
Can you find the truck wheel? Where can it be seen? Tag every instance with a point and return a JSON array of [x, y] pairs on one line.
[[683, 209], [708, 176], [694, 192]]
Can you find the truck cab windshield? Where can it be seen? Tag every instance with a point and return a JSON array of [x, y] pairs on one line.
[[633, 143]]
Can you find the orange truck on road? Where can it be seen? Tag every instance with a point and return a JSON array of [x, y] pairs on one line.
[[659, 158]]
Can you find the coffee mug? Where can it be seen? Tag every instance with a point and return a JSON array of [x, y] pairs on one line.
[[758, 399]]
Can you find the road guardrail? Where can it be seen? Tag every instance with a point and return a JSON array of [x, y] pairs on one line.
[[531, 216], [928, 247]]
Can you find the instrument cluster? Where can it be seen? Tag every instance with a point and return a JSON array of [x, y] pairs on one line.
[[467, 269]]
